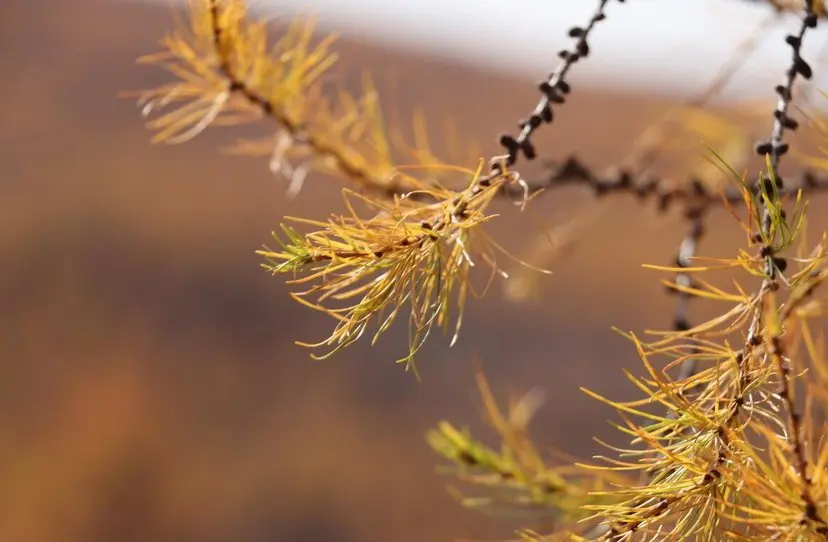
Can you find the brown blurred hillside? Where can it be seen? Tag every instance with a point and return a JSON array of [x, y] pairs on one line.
[[151, 390]]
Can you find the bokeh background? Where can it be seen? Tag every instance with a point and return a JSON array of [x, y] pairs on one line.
[[150, 388]]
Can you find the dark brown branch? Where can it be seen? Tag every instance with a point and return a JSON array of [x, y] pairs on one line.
[[691, 193], [775, 148], [645, 152], [554, 91]]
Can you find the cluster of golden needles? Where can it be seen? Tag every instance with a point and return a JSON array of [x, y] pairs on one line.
[[229, 74], [690, 455], [416, 247], [408, 240]]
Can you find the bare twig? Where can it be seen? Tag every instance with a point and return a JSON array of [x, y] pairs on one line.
[[554, 91], [665, 191]]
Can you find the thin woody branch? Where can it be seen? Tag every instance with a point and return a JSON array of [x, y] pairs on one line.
[[774, 149], [655, 507], [698, 475], [239, 86], [554, 91], [691, 193]]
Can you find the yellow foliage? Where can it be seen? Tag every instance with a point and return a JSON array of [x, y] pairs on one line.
[[724, 451], [517, 479], [417, 245], [410, 253], [228, 73]]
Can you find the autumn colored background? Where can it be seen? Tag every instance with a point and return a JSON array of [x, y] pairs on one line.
[[150, 388]]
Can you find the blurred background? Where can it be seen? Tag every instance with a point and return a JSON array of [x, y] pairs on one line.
[[150, 386]]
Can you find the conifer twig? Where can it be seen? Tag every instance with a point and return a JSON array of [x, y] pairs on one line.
[[695, 214], [767, 194], [702, 474], [665, 191], [237, 84], [554, 91]]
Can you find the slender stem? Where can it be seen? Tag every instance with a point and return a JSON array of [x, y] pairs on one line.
[[775, 148], [554, 91]]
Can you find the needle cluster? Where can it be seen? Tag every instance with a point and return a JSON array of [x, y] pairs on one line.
[[727, 437]]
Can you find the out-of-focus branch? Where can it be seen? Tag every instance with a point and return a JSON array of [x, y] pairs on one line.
[[690, 193]]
